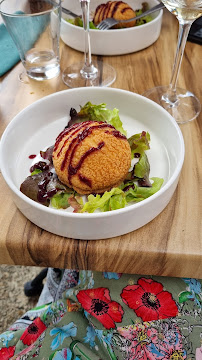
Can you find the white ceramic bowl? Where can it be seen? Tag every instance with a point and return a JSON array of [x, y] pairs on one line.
[[114, 41], [36, 128]]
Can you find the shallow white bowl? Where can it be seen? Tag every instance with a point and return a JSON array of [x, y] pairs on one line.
[[111, 42], [37, 127]]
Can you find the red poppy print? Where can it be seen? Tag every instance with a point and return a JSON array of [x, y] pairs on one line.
[[6, 353], [149, 300], [98, 303], [34, 330]]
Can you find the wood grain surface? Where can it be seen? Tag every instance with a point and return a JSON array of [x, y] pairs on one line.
[[171, 244]]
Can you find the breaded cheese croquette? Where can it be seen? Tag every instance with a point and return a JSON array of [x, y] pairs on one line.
[[118, 10], [91, 157]]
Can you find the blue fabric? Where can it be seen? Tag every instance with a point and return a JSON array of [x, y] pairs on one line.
[[9, 55]]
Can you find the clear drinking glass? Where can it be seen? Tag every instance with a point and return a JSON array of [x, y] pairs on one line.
[[180, 103], [86, 73], [34, 26]]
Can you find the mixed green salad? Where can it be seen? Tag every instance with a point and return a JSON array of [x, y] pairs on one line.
[[79, 22], [44, 186]]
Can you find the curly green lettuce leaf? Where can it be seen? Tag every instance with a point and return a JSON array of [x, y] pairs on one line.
[[118, 198], [139, 143], [60, 200], [79, 22], [110, 200], [36, 171], [141, 171], [144, 19], [139, 193], [142, 168], [97, 113]]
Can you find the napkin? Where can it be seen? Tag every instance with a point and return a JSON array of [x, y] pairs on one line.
[[9, 55]]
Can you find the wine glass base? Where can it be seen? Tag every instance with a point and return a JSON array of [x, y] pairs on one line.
[[23, 77], [105, 75], [184, 109]]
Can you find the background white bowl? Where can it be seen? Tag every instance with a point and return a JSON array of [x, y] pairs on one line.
[[37, 127], [111, 42]]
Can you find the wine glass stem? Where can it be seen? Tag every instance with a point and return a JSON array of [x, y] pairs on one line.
[[184, 28], [88, 71]]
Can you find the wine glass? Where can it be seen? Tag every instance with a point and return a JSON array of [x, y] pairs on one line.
[[86, 73], [180, 103]]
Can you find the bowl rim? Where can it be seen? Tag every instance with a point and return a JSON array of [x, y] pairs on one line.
[[81, 216], [113, 31]]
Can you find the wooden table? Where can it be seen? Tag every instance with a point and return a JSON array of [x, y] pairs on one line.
[[171, 244]]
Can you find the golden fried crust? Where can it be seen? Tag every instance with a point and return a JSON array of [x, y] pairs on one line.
[[97, 14], [118, 10], [64, 145], [96, 163]]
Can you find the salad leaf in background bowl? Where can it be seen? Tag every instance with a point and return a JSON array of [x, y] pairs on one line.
[[79, 22]]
